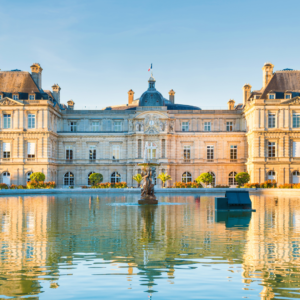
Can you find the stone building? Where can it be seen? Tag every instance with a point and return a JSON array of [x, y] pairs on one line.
[[40, 134]]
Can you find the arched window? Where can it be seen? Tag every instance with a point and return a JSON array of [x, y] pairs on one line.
[[69, 179], [115, 177], [6, 178], [231, 178], [271, 175], [186, 177], [89, 182], [28, 176], [214, 178], [296, 177]]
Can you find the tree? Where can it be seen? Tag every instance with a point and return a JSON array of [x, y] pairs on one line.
[[138, 178], [242, 178], [164, 177], [37, 176], [205, 178], [96, 178]]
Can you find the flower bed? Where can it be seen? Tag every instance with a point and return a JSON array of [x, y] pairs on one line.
[[269, 184], [186, 185], [108, 185]]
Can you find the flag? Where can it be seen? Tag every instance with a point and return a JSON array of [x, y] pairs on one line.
[[150, 68]]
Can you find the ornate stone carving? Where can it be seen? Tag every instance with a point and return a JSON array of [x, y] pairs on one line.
[[8, 102], [152, 124], [171, 126], [130, 125]]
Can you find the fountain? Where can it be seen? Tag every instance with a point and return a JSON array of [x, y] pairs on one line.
[[147, 192]]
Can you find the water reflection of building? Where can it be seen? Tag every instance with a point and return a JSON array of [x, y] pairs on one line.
[[272, 250], [149, 243], [23, 235]]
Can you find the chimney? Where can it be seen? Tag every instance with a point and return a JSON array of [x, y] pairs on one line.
[[36, 74], [56, 92], [246, 92], [230, 104], [130, 96], [267, 73], [172, 96], [71, 104]]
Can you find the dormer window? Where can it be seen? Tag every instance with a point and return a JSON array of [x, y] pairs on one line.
[[271, 96], [0, 96], [31, 97], [16, 97], [288, 96]]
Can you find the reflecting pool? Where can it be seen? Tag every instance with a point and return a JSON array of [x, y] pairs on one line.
[[107, 247]]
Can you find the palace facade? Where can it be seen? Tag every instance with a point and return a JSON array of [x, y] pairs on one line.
[[40, 134]]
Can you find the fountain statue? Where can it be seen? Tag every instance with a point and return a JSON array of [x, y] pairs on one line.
[[147, 193]]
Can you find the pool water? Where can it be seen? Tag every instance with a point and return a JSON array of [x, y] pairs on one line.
[[107, 247]]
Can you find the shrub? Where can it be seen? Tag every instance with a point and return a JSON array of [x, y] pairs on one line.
[[138, 178], [85, 187], [205, 178], [269, 184], [251, 185], [242, 178], [37, 176], [96, 178], [222, 186], [22, 187], [40, 185], [3, 186], [13, 187], [164, 177]]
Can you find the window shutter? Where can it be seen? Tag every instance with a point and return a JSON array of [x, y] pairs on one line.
[[31, 148], [6, 147], [296, 149]]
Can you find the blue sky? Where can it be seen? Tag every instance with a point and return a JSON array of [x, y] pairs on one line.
[[98, 50]]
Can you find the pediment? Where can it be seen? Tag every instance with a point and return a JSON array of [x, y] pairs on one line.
[[9, 102], [295, 100]]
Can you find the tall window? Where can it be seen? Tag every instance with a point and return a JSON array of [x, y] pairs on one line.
[[73, 126], [231, 178], [214, 178], [31, 121], [210, 152], [6, 150], [117, 126], [271, 149], [69, 179], [95, 126], [69, 152], [186, 177], [185, 126], [207, 126], [163, 148], [31, 150], [31, 97], [229, 126], [116, 152], [139, 148], [186, 152], [89, 181], [296, 177], [28, 176], [152, 150], [296, 120], [271, 120], [296, 149], [115, 177], [7, 121], [233, 152], [92, 153]]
